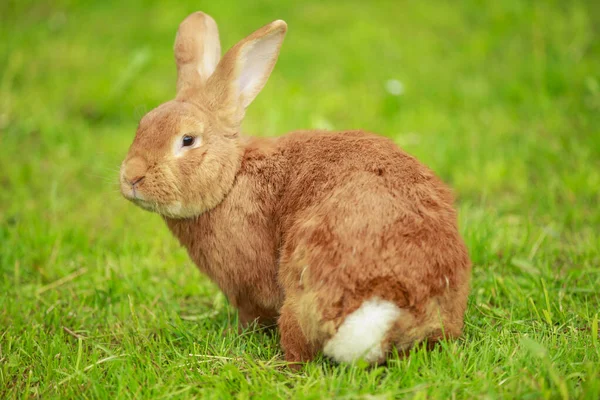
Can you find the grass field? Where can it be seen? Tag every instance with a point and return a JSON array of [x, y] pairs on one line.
[[501, 99]]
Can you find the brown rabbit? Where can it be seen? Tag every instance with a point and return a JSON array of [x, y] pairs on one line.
[[345, 241]]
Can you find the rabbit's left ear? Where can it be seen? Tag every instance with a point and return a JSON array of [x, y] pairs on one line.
[[246, 67], [197, 50]]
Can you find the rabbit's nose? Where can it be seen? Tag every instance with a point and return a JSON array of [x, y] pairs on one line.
[[134, 180], [134, 170]]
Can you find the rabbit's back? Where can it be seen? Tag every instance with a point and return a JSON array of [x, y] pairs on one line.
[[361, 220]]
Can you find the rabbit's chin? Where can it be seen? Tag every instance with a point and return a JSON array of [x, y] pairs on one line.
[[174, 210]]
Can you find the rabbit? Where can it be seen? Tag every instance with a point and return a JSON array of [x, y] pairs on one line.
[[346, 243]]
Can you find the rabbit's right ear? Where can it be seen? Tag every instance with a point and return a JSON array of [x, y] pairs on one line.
[[197, 50]]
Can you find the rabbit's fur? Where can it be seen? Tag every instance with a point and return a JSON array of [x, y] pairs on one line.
[[345, 241]]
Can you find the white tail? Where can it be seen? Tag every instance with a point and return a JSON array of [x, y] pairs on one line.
[[362, 333]]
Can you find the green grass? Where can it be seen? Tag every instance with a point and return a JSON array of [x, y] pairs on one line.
[[501, 99]]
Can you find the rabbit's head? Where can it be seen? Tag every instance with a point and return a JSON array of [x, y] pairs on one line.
[[186, 152]]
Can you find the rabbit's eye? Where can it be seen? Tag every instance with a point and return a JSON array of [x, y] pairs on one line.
[[188, 140]]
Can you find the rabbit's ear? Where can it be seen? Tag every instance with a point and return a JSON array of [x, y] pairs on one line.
[[197, 50], [246, 67]]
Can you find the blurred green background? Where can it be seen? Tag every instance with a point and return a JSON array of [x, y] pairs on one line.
[[501, 99]]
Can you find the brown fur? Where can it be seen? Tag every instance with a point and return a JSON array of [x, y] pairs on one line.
[[300, 229]]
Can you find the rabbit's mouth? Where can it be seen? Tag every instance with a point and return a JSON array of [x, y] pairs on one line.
[[130, 192], [139, 196], [133, 194]]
